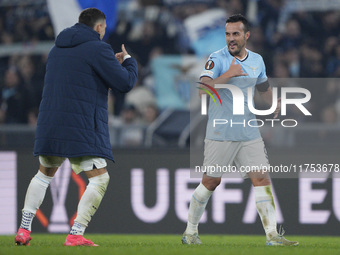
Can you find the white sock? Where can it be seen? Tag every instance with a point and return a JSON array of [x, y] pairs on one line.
[[77, 229], [89, 202], [197, 206], [34, 196], [26, 220], [266, 209]]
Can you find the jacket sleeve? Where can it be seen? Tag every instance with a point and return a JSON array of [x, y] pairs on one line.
[[116, 76]]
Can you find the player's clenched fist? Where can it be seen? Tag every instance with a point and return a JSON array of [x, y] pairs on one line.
[[235, 70]]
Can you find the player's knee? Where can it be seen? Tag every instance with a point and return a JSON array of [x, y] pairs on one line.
[[100, 182], [48, 171], [211, 183], [261, 182]]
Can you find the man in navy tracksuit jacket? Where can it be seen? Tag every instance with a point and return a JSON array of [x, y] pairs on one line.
[[73, 117]]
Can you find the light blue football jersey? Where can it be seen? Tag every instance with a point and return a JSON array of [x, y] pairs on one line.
[[236, 128]]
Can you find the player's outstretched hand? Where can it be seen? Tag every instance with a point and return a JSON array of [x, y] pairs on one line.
[[235, 70], [120, 55]]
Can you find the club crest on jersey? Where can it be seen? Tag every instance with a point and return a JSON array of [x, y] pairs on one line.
[[254, 69], [209, 65]]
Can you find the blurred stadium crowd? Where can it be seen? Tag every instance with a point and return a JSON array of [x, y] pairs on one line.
[[302, 44]]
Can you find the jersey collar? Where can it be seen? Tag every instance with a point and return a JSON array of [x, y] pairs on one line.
[[243, 59]]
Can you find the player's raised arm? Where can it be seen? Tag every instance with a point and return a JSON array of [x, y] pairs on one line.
[[118, 71], [234, 70]]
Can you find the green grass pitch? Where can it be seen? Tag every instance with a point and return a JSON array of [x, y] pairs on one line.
[[50, 244]]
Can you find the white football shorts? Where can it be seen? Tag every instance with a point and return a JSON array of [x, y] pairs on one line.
[[248, 156], [78, 164]]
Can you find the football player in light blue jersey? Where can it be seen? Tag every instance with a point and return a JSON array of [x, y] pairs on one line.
[[235, 141], [254, 76]]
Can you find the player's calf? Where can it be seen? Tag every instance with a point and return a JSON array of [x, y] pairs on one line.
[[87, 207], [91, 199]]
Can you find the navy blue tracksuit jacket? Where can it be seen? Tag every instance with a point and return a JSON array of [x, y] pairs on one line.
[[73, 115]]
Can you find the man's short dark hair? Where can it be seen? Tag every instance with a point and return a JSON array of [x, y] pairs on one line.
[[91, 16], [237, 18]]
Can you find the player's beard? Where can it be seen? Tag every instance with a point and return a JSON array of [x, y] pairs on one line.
[[238, 49], [235, 52]]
